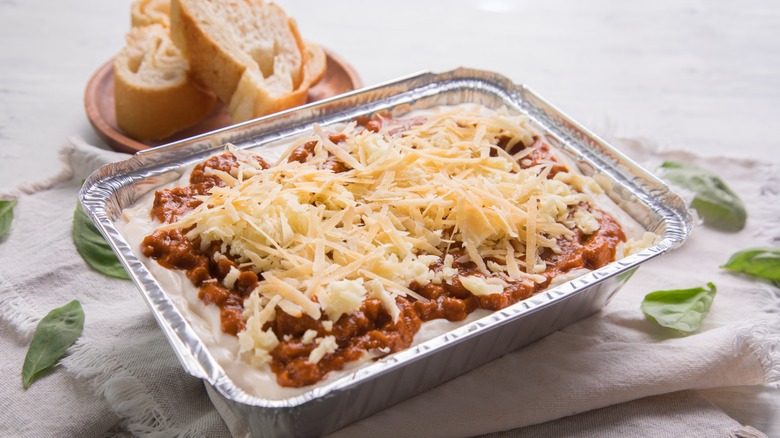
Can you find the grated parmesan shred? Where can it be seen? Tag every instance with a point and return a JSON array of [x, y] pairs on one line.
[[326, 241]]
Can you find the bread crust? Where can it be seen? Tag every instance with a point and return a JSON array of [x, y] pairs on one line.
[[251, 101], [216, 57], [293, 25], [210, 65]]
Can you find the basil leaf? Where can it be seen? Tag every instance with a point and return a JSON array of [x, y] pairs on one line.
[[716, 204], [57, 331], [6, 216], [93, 247], [758, 262], [682, 310]]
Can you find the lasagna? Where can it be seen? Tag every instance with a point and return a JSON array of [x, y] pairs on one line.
[[356, 236]]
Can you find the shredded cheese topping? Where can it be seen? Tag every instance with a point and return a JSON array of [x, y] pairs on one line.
[[326, 241]]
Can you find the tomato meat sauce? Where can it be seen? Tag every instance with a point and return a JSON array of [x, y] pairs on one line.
[[370, 328]]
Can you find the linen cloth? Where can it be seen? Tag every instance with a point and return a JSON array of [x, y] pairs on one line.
[[613, 374]]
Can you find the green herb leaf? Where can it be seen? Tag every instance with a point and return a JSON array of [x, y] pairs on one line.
[[758, 262], [93, 247], [57, 331], [682, 310], [6, 216], [716, 204]]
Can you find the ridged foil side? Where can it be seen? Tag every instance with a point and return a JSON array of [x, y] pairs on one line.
[[334, 404]]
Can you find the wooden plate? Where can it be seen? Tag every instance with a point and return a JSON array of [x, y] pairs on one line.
[[339, 78]]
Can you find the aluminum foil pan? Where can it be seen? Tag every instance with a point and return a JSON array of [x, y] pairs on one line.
[[332, 405]]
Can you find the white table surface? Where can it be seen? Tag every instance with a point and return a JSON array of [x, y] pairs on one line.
[[699, 75]]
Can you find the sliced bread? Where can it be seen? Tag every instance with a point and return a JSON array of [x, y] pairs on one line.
[[246, 45], [253, 98], [154, 97]]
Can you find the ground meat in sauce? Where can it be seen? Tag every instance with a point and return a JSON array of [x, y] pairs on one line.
[[370, 328], [170, 204], [301, 154]]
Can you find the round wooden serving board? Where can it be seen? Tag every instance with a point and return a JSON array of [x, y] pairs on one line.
[[339, 78]]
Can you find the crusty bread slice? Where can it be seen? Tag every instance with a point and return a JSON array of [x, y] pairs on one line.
[[148, 12], [254, 98], [239, 41], [154, 97]]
